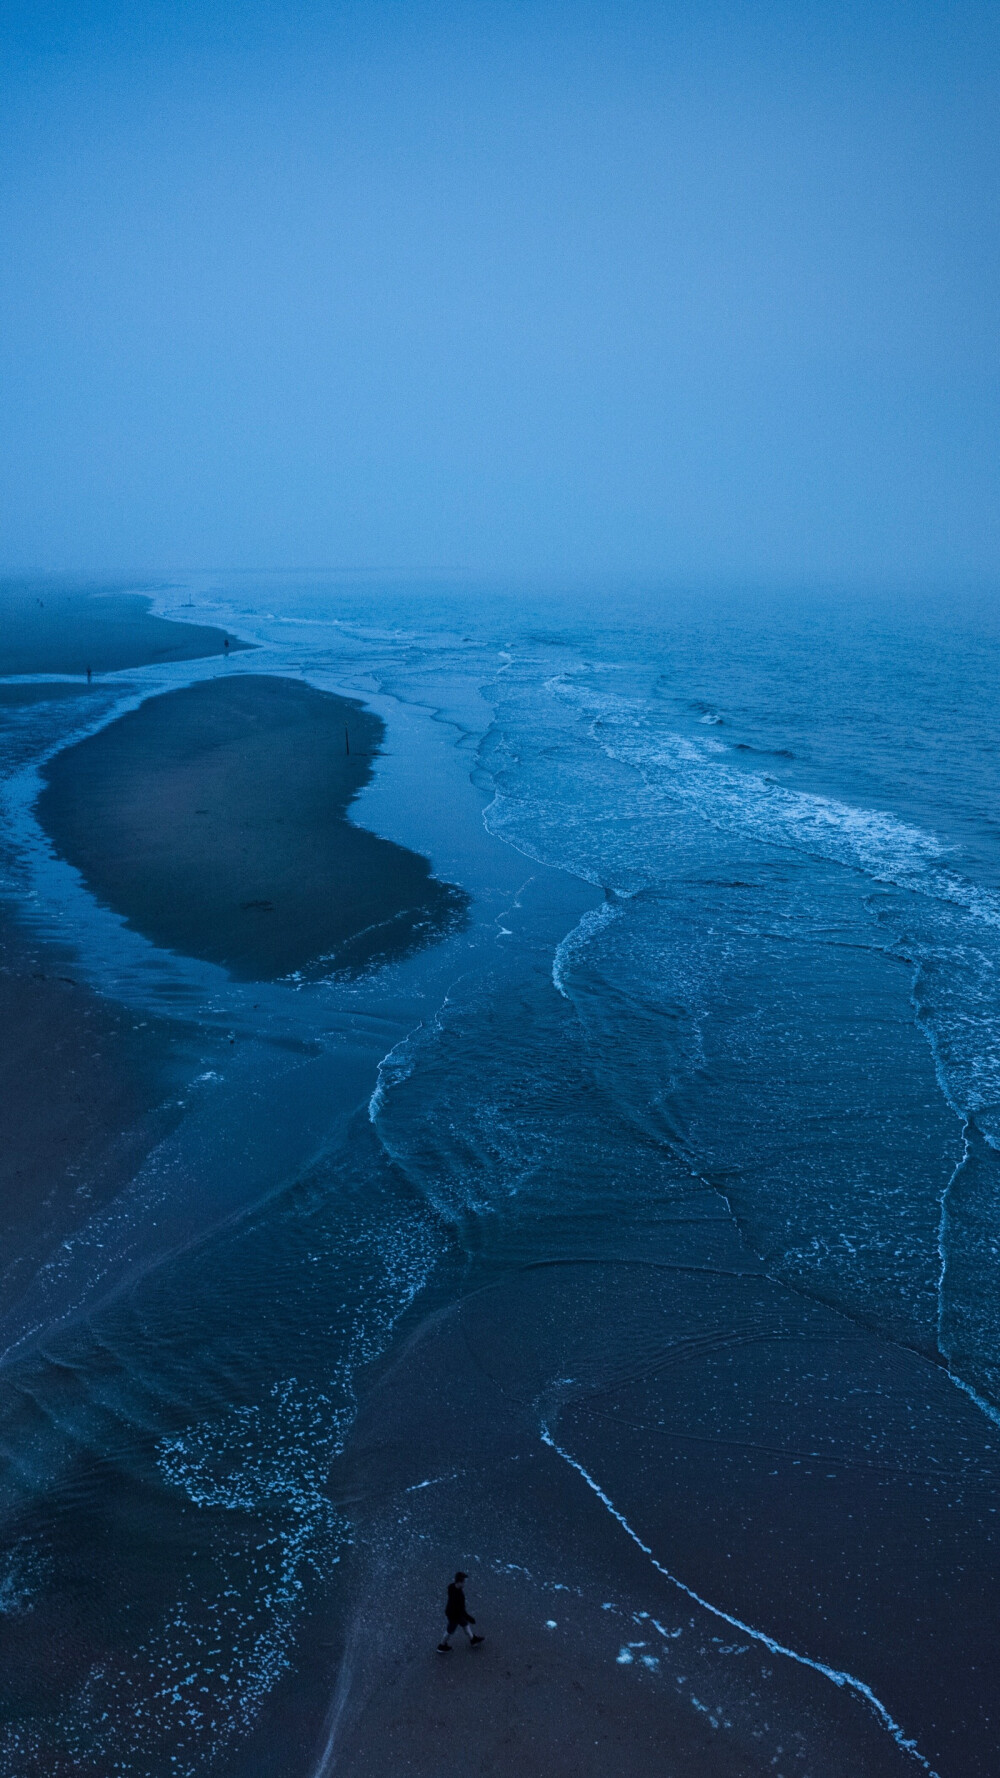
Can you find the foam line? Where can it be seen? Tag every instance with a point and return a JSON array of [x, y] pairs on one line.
[[390, 1065], [586, 928], [942, 1241], [984, 1406], [834, 1674]]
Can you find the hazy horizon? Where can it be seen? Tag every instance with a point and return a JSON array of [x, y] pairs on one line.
[[682, 291]]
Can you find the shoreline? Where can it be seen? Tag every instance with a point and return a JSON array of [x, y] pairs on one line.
[[498, 1323], [89, 1086]]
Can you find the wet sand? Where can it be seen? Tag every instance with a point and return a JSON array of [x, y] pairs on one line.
[[799, 1472], [214, 820], [47, 627], [594, 1656], [87, 1087]]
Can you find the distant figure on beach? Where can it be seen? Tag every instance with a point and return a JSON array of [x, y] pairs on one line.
[[456, 1614], [90, 674], [225, 643]]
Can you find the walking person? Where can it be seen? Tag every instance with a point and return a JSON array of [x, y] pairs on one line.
[[456, 1614]]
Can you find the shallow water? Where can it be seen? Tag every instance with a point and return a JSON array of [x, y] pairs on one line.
[[694, 1129]]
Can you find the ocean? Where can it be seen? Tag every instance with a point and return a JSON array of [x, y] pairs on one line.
[[639, 1235]]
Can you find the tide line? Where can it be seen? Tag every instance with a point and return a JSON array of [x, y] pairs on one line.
[[984, 1406], [834, 1674]]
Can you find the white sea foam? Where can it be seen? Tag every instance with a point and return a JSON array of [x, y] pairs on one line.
[[670, 763], [396, 1065], [634, 822], [836, 1675], [198, 1680], [871, 840], [22, 1571], [586, 928]]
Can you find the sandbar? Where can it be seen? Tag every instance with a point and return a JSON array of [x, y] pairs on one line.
[[87, 1087], [214, 819], [47, 626]]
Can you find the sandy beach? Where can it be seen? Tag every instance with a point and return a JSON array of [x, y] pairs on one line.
[[213, 818], [47, 627], [87, 1087], [320, 1290], [269, 876]]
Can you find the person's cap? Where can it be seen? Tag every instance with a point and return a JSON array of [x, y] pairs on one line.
[[461, 1576]]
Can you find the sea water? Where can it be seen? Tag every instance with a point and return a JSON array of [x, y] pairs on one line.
[[725, 1013]]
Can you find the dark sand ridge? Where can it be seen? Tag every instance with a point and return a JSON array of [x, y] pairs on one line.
[[213, 818], [47, 627]]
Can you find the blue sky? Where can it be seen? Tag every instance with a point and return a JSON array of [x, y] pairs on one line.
[[696, 291]]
